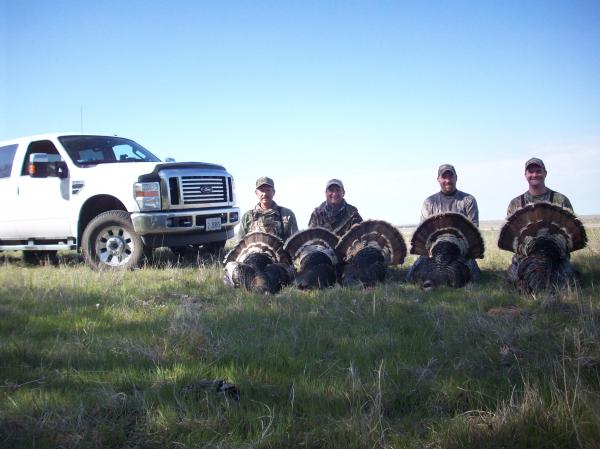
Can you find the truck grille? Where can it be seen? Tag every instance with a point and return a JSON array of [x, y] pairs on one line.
[[203, 189]]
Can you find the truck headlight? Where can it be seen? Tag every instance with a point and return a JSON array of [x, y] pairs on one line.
[[147, 195], [232, 195]]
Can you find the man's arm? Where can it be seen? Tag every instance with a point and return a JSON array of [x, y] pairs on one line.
[[426, 210], [312, 222], [472, 211], [292, 224], [513, 206], [357, 218], [566, 203], [244, 225], [346, 224]]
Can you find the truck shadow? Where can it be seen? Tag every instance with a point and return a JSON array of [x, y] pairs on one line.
[[167, 258], [159, 258]]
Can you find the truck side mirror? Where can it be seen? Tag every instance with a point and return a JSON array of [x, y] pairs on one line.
[[41, 167], [38, 165]]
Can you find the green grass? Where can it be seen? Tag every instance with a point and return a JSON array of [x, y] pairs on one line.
[[100, 359]]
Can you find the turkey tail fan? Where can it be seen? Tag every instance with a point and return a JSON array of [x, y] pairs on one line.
[[312, 246], [317, 236], [258, 242], [378, 234], [314, 257], [452, 227], [542, 219], [258, 263]]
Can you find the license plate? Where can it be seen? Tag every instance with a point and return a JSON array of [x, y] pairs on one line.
[[213, 224]]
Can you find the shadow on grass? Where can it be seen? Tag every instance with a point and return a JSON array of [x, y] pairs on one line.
[[160, 258]]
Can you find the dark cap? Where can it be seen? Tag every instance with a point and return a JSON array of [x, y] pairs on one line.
[[444, 168], [535, 161], [334, 182], [264, 181]]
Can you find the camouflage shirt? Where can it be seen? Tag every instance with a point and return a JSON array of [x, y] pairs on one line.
[[277, 220], [337, 221], [549, 196], [460, 202]]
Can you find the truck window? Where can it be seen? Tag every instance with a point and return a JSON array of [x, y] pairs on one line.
[[41, 146], [7, 155], [92, 155], [93, 150], [128, 153]]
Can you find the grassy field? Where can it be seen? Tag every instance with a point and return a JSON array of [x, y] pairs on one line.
[[133, 359]]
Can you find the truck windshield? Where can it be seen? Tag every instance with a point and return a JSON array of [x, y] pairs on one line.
[[93, 150]]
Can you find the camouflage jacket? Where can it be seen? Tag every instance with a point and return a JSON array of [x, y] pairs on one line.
[[460, 202], [527, 198], [337, 221], [279, 221]]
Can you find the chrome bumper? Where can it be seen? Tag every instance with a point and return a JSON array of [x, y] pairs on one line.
[[183, 221]]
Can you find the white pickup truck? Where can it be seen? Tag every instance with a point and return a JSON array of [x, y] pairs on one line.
[[109, 197]]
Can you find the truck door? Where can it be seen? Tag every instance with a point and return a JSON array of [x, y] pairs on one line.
[[42, 203], [8, 190]]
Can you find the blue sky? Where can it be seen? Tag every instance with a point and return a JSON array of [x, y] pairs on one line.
[[376, 93]]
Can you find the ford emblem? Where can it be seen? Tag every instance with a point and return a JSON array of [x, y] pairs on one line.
[[206, 189]]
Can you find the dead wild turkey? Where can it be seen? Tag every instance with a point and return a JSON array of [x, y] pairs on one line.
[[542, 236], [367, 249], [314, 258], [258, 263], [447, 244]]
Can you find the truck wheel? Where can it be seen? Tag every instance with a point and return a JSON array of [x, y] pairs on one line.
[[109, 241]]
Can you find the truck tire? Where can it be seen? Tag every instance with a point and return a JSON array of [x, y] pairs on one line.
[[109, 241]]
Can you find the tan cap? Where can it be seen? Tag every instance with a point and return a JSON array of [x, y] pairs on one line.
[[446, 167], [535, 161], [334, 182], [264, 180]]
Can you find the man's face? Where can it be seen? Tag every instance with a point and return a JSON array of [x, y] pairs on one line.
[[535, 176], [447, 182], [334, 195], [265, 195]]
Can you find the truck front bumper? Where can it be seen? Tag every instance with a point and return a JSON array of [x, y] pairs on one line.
[[185, 222]]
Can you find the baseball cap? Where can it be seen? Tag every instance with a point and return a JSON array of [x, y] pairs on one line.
[[264, 180], [535, 161], [446, 167], [334, 182]]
